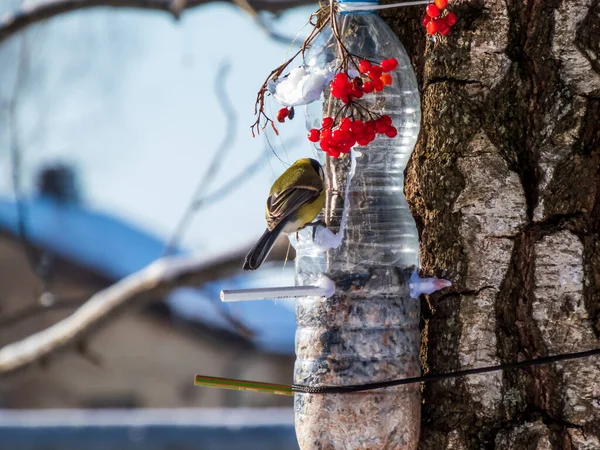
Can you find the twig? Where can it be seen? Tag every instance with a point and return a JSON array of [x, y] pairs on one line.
[[325, 16], [13, 22], [262, 119]]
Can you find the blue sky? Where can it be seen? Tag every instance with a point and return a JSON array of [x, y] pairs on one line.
[[128, 97]]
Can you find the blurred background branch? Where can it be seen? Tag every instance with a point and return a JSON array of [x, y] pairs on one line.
[[90, 191], [13, 22], [16, 156], [154, 281], [218, 158]]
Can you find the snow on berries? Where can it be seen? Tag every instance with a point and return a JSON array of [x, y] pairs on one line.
[[299, 87], [354, 123], [438, 20]]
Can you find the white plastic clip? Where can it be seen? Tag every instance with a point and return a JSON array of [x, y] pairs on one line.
[[418, 285]]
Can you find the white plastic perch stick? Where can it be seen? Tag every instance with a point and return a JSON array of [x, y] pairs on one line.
[[325, 288]]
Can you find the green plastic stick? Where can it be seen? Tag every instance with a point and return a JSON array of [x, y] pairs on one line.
[[243, 385]]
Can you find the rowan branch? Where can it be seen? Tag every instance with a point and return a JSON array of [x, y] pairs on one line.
[[154, 281], [13, 22]]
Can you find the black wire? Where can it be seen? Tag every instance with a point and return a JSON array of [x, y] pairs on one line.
[[442, 376]]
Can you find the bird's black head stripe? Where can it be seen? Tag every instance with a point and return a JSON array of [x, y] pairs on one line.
[[316, 165]]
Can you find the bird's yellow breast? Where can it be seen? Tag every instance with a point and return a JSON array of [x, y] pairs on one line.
[[307, 212]]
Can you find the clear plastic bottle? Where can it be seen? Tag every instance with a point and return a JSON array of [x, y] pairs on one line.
[[369, 330]]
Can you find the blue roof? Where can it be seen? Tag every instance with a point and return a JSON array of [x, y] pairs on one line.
[[115, 249]]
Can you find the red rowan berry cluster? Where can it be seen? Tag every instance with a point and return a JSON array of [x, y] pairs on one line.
[[376, 79], [337, 140], [338, 136], [437, 19]]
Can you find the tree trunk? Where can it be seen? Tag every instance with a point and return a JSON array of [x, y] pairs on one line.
[[505, 188]]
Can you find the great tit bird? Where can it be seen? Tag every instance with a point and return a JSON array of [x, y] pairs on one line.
[[295, 199]]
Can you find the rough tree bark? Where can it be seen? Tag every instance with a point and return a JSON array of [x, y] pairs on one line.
[[505, 187]]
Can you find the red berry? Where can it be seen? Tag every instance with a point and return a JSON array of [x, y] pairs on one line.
[[441, 3], [363, 141], [387, 65], [335, 152], [378, 85], [375, 72], [368, 87], [386, 119], [426, 20], [357, 127], [370, 127], [443, 27], [341, 79], [327, 122], [314, 135], [432, 10], [387, 79], [451, 18], [356, 93], [282, 114], [341, 136], [380, 127], [364, 66], [346, 124], [391, 132], [432, 27]]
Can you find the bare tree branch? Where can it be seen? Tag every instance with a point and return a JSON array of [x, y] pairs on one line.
[[154, 281], [12, 23]]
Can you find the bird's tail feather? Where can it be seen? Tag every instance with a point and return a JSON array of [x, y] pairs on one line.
[[261, 249]]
